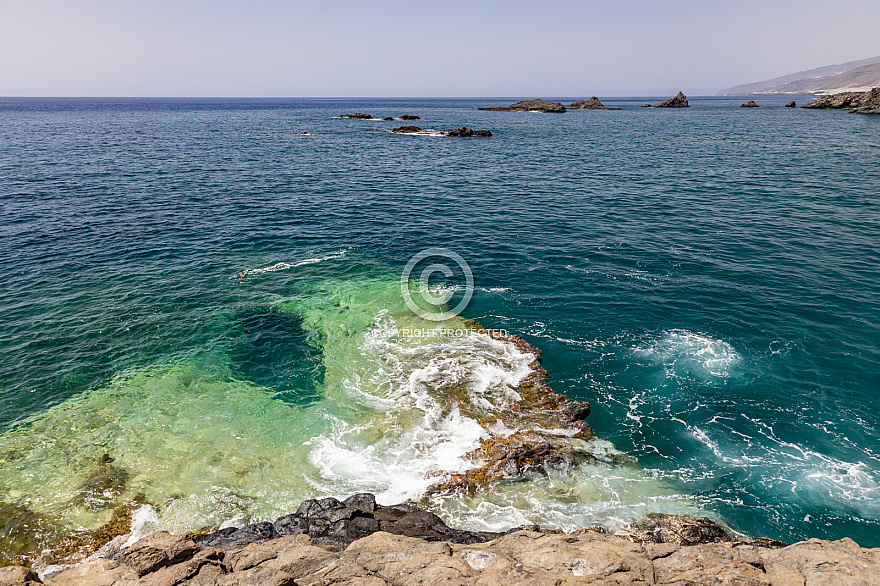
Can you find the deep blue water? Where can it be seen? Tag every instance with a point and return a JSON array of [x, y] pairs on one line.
[[708, 278]]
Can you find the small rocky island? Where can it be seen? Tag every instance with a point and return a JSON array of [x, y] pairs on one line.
[[358, 116], [750, 104], [791, 104], [679, 100], [536, 105], [359, 542], [591, 104], [856, 102], [464, 131]]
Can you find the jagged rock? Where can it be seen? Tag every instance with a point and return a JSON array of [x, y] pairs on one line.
[[841, 101], [465, 131], [358, 115], [791, 104], [17, 575], [679, 100], [519, 558], [750, 104], [407, 130], [536, 105], [158, 550], [870, 103], [647, 106], [591, 104], [334, 523], [410, 117]]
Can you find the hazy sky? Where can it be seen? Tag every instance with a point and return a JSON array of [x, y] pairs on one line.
[[562, 48]]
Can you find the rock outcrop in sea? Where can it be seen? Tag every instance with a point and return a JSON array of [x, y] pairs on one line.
[[841, 101], [358, 542], [870, 103], [791, 104], [410, 117], [750, 104], [536, 105], [464, 131], [357, 115], [857, 102], [591, 104], [679, 100]]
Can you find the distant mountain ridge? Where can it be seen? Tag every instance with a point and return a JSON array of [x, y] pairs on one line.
[[859, 75]]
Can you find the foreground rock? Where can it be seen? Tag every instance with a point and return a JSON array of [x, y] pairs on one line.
[[677, 101], [870, 103], [791, 104], [358, 115], [750, 104], [591, 104], [522, 557], [333, 523], [536, 105]]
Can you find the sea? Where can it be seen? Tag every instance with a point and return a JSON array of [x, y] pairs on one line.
[[207, 313]]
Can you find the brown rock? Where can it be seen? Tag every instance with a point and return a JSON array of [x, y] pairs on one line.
[[841, 101], [158, 550], [791, 104], [410, 117], [14, 575], [536, 105], [100, 572], [750, 104], [870, 103], [358, 115], [712, 564], [408, 130], [465, 131], [591, 104], [677, 101], [819, 563]]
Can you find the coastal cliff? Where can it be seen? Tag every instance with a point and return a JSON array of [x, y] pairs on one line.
[[356, 541]]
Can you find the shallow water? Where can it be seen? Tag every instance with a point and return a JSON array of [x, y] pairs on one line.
[[211, 300]]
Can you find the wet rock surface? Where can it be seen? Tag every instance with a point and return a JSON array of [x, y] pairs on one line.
[[750, 104], [334, 523], [357, 115], [679, 100], [410, 117], [591, 104], [536, 105], [407, 130], [520, 557], [791, 104], [465, 132]]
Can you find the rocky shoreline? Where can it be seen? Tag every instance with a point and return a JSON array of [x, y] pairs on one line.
[[359, 542]]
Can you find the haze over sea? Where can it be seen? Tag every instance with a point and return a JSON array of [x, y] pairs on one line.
[[194, 290]]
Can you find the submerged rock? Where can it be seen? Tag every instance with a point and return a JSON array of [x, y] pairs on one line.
[[750, 104], [591, 104], [407, 130], [388, 118], [358, 115], [841, 101], [465, 131], [680, 530], [870, 103], [536, 105], [410, 117], [679, 100], [791, 104]]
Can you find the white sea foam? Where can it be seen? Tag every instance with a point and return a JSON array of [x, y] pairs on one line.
[[683, 352], [283, 266]]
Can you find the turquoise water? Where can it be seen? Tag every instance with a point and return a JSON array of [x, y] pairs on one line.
[[193, 289]]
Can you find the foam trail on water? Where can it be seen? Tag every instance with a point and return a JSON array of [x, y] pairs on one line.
[[283, 266]]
